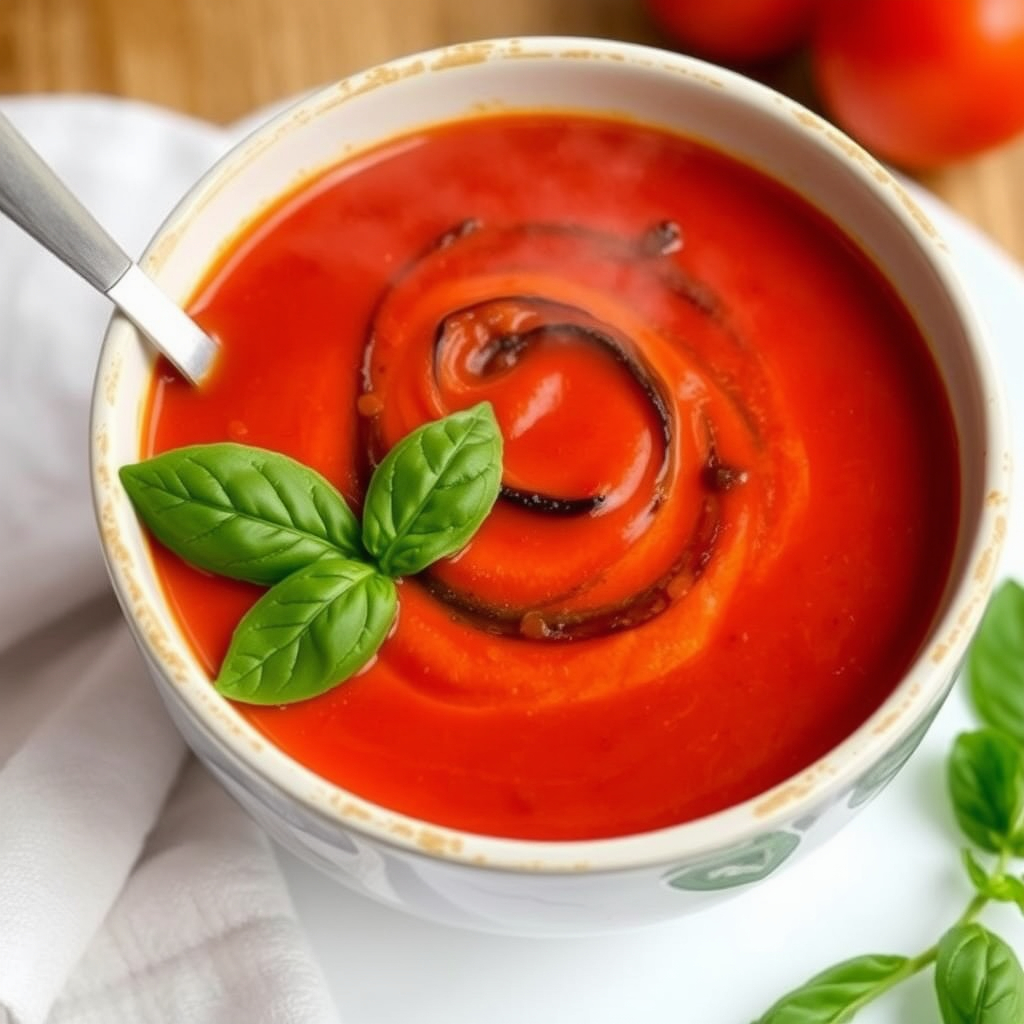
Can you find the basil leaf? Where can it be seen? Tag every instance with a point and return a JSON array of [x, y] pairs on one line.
[[240, 511], [308, 633], [835, 995], [978, 979], [432, 491], [986, 783], [996, 662]]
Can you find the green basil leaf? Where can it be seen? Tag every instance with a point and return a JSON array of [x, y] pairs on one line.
[[240, 511], [978, 979], [835, 995], [996, 662], [986, 783], [432, 491], [308, 633]]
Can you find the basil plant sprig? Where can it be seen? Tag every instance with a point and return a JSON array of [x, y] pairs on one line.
[[978, 978], [260, 516]]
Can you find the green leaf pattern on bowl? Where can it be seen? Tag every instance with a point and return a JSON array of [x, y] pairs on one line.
[[739, 865], [884, 770]]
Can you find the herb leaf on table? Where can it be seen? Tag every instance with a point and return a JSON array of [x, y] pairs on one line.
[[978, 979], [838, 993], [996, 662], [986, 784]]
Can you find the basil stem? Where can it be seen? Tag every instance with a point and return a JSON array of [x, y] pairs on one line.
[[995, 885]]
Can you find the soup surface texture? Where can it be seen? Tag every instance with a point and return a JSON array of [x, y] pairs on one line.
[[730, 487]]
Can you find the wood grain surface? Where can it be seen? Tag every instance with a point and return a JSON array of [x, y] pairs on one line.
[[220, 59]]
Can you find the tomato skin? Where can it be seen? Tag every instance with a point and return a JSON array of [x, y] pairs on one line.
[[922, 82], [735, 31]]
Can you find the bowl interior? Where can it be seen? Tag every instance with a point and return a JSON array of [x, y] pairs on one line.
[[732, 114]]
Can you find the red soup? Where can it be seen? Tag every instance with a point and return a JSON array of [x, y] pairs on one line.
[[730, 487]]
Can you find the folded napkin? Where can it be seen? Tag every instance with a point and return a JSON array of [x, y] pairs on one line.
[[132, 889]]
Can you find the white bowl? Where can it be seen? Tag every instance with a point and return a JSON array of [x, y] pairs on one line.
[[516, 885]]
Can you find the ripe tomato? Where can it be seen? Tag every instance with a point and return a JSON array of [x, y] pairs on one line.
[[922, 82], [735, 31]]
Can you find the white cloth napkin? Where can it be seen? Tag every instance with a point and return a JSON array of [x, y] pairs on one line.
[[132, 889]]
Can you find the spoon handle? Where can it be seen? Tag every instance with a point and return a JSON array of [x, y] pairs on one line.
[[36, 200]]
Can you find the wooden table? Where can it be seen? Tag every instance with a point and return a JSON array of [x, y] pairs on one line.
[[220, 59]]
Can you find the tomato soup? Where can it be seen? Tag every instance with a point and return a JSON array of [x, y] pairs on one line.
[[730, 485]]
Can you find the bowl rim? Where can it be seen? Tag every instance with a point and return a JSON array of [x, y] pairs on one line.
[[917, 695]]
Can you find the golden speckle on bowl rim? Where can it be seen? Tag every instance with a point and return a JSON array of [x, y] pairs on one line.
[[346, 807], [157, 254], [888, 721], [918, 215], [795, 790], [986, 562], [463, 54], [860, 156], [431, 841], [981, 577], [159, 642], [482, 108], [964, 620], [111, 379], [377, 77], [117, 549], [704, 77]]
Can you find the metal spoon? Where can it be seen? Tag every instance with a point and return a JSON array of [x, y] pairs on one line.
[[34, 197]]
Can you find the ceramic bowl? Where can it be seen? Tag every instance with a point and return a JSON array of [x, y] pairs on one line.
[[560, 887]]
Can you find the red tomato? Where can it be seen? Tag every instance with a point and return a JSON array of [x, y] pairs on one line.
[[735, 31], [923, 82]]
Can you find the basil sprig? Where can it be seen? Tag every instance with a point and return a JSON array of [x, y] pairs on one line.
[[978, 978], [260, 516]]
